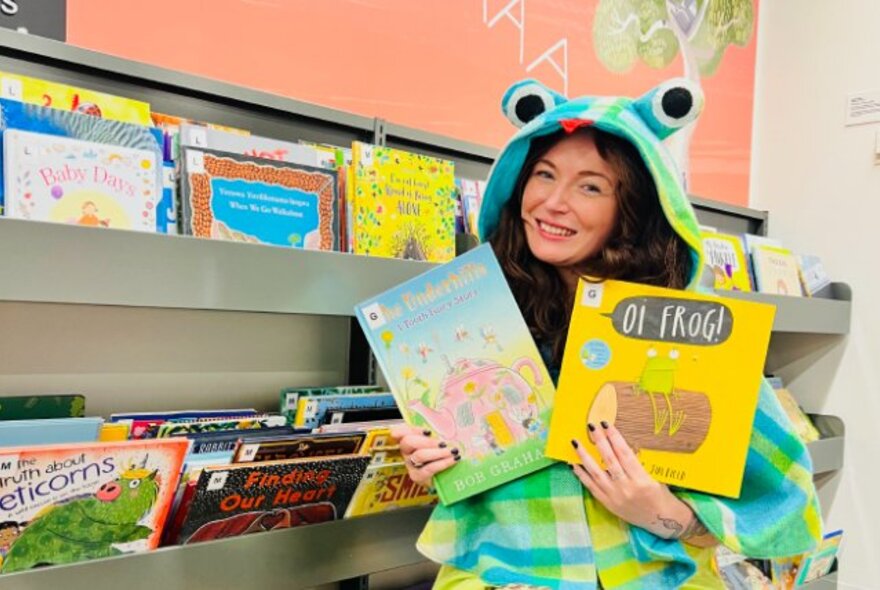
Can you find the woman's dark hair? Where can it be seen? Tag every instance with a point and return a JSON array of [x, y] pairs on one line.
[[642, 248]]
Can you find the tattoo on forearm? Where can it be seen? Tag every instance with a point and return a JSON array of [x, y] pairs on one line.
[[677, 531]]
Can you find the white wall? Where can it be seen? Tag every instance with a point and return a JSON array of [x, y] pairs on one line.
[[818, 180]]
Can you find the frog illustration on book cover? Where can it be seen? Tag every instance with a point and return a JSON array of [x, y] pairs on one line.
[[677, 373]]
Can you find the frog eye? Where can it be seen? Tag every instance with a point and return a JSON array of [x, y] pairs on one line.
[[526, 100], [669, 107], [133, 484], [652, 353], [673, 354]]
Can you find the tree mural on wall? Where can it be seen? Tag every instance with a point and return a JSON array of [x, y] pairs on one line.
[[655, 31]]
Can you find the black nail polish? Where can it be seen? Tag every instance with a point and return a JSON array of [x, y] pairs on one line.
[[442, 445], [426, 432], [591, 427], [574, 443], [453, 451], [604, 424], [457, 458], [571, 465]]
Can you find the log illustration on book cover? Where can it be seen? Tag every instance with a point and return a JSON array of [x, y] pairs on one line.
[[678, 374], [460, 361]]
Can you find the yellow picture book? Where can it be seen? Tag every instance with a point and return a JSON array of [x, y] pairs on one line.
[[725, 255], [70, 98], [387, 486], [403, 204], [677, 373]]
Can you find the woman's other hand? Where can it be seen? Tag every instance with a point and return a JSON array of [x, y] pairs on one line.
[[425, 455], [628, 492]]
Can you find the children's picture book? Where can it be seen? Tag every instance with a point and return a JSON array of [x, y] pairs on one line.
[[76, 502], [166, 214], [725, 256], [813, 276], [403, 204], [146, 424], [776, 271], [70, 98], [799, 419], [253, 497], [49, 121], [76, 182], [387, 486], [228, 440], [113, 431], [290, 395], [362, 415], [266, 148], [297, 447], [461, 361], [46, 431], [169, 429], [819, 562], [676, 372], [232, 197], [311, 410], [33, 407]]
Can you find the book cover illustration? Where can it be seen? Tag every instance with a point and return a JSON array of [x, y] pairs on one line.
[[70, 98], [814, 278], [266, 148], [312, 410], [461, 361], [35, 407], [233, 197], [78, 182], [48, 121], [677, 373], [169, 429], [776, 271], [298, 447], [254, 497], [387, 486], [819, 562], [146, 424], [166, 213], [725, 256], [799, 419], [403, 204], [85, 501]]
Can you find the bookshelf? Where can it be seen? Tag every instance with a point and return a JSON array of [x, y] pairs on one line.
[[149, 274]]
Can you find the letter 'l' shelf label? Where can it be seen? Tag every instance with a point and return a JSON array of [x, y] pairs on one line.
[[9, 465], [198, 137], [11, 88], [195, 162], [592, 294]]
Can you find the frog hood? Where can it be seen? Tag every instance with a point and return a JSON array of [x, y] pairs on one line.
[[645, 122]]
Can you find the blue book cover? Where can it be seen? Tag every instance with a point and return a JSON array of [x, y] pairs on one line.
[[461, 361], [49, 121], [49, 431], [233, 197]]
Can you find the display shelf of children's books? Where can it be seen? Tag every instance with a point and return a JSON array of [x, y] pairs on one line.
[[301, 557], [827, 312]]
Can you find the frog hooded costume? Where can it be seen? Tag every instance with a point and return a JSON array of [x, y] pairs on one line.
[[545, 529]]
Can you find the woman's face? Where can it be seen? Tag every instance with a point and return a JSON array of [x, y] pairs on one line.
[[569, 207]]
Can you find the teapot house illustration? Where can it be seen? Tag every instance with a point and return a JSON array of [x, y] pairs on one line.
[[484, 407]]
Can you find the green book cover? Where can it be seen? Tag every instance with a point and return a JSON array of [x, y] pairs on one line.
[[35, 407], [461, 361]]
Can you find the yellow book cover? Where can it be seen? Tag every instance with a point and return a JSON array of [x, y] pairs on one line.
[[113, 431], [404, 204], [725, 255], [71, 98], [678, 374], [387, 486]]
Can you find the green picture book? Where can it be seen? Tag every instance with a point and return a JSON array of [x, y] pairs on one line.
[[35, 407]]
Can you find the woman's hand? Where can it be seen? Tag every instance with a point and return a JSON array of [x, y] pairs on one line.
[[629, 493], [424, 454]]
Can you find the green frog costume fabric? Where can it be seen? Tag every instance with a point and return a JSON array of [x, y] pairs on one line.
[[545, 529]]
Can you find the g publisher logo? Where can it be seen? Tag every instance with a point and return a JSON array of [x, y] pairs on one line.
[[374, 316]]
